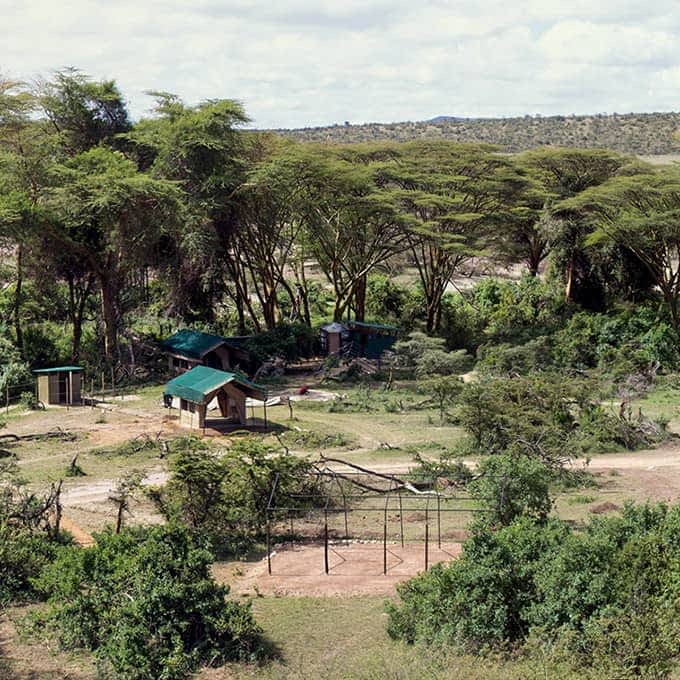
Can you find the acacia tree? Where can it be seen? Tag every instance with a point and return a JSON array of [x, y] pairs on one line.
[[269, 233], [21, 174], [111, 217], [561, 174], [642, 214], [350, 224], [202, 148], [454, 195]]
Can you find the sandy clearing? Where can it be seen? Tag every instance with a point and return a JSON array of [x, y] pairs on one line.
[[354, 569]]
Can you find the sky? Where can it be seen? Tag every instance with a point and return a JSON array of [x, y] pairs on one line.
[[299, 63]]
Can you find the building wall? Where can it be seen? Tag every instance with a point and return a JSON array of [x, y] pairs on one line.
[[192, 415], [44, 388]]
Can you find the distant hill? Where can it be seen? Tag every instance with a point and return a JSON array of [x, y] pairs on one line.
[[634, 133]]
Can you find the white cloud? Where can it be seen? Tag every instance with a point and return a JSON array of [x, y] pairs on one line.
[[307, 62]]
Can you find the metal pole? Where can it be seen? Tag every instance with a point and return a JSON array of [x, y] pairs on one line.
[[439, 523], [269, 548], [427, 533], [401, 520], [385, 543], [265, 415], [325, 541]]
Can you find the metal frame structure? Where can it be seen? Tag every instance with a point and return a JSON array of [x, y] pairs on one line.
[[367, 485]]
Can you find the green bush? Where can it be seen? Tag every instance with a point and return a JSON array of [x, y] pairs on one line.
[[23, 554], [145, 603], [426, 356], [508, 487], [481, 599], [609, 595], [548, 417], [223, 499], [288, 340]]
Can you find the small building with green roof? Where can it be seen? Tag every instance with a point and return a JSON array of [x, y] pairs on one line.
[[197, 388], [59, 385], [188, 348]]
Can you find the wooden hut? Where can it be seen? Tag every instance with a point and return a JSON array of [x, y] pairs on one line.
[[188, 348], [197, 388], [59, 385]]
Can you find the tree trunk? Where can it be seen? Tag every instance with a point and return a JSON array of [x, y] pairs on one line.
[[360, 299], [17, 299], [568, 289], [109, 293]]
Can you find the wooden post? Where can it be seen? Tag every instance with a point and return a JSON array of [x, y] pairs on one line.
[[113, 381], [7, 399]]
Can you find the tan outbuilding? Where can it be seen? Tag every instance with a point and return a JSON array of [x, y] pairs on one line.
[[59, 385]]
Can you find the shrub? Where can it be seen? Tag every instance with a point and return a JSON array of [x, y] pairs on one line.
[[23, 554], [288, 340], [482, 599], [223, 499], [508, 487], [426, 356], [145, 603], [609, 596]]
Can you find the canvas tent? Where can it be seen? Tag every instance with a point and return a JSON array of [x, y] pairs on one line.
[[196, 388], [188, 348]]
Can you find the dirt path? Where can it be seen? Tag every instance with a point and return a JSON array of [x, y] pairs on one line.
[[667, 455], [81, 537]]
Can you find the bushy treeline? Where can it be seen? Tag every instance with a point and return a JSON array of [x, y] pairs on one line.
[[143, 600], [118, 230], [605, 597]]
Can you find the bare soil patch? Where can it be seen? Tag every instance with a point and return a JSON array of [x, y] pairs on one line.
[[354, 569]]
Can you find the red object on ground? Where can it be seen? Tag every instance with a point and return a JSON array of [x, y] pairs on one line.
[[304, 389]]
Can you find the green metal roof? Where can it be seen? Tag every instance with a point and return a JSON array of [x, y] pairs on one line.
[[192, 344], [60, 369], [201, 381]]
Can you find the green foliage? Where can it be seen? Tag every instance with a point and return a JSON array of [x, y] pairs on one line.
[[443, 391], [290, 341], [426, 356], [13, 371], [28, 401], [223, 498], [145, 603], [313, 440], [608, 595], [508, 487], [481, 599], [23, 554], [547, 417]]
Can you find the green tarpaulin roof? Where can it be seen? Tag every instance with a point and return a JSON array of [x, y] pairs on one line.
[[193, 344], [60, 369], [201, 381]]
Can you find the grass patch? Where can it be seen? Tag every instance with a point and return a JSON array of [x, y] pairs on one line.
[[581, 499]]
